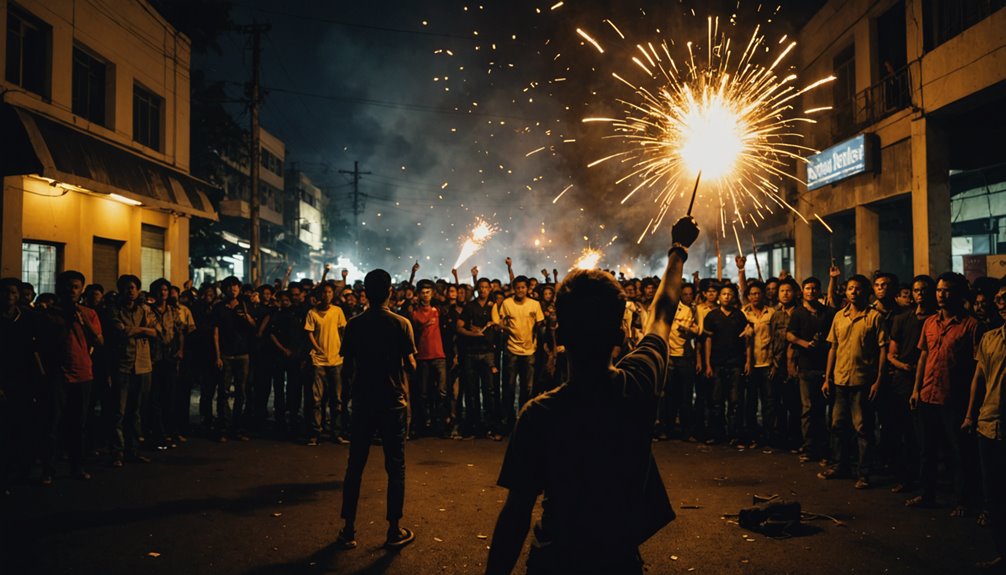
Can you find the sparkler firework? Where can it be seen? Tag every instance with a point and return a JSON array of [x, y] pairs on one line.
[[725, 120], [480, 233], [589, 259]]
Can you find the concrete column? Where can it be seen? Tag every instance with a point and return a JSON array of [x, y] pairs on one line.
[[803, 251], [930, 198], [11, 222], [867, 241]]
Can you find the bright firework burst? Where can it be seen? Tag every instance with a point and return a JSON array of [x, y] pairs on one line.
[[728, 122], [480, 233], [588, 260]]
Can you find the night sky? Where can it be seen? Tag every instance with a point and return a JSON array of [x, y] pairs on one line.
[[472, 109]]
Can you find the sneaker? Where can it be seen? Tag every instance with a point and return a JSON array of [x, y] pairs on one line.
[[312, 442], [339, 439], [834, 473], [862, 483]]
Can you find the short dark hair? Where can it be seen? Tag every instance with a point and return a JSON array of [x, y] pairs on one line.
[[519, 279], [156, 285], [377, 284], [811, 280], [752, 284], [791, 283], [588, 304], [425, 283], [229, 281], [65, 277], [122, 284], [957, 282], [861, 280], [705, 284]]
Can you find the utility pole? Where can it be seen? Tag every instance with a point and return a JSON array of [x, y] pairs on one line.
[[254, 156], [356, 173]]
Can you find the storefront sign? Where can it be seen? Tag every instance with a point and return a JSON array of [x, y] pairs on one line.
[[838, 162]]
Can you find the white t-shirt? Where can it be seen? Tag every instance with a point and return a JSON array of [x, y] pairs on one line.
[[521, 319], [325, 325]]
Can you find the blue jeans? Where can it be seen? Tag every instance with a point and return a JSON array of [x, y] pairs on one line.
[[481, 395], [430, 397], [851, 415], [515, 367]]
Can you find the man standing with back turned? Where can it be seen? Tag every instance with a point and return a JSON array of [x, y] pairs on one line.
[[603, 495], [379, 348]]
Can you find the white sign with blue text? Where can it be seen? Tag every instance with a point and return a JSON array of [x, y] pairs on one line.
[[837, 163]]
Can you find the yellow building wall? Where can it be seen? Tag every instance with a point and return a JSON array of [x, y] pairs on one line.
[[75, 219]]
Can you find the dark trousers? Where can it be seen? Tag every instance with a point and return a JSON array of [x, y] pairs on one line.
[[940, 425], [790, 408], [327, 391], [65, 412], [515, 367], [16, 427], [390, 422], [852, 418], [128, 394], [430, 395], [181, 403], [813, 423], [727, 394], [898, 438], [162, 392], [481, 395], [993, 457], [676, 397], [280, 376], [206, 377], [234, 383], [760, 390]]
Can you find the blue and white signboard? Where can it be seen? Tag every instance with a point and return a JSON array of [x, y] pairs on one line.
[[838, 162]]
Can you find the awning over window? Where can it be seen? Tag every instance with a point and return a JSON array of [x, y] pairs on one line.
[[38, 145]]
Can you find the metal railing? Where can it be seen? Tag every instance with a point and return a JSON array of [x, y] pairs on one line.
[[871, 105]]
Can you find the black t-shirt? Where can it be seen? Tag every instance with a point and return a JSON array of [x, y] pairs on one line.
[[477, 315], [449, 316], [810, 326], [729, 348], [235, 331], [906, 329], [377, 342], [603, 495]]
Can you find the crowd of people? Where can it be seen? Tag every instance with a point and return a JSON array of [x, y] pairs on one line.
[[868, 377]]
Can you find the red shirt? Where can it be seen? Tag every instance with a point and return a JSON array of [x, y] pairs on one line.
[[950, 344], [78, 367], [427, 327]]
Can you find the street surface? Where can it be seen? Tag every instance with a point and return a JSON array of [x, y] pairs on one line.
[[272, 507]]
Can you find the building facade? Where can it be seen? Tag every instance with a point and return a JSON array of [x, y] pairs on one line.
[[303, 241], [95, 117], [911, 171]]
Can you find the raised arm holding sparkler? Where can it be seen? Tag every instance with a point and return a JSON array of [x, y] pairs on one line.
[[605, 534]]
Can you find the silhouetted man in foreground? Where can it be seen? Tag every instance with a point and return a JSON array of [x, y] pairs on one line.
[[378, 349], [603, 495]]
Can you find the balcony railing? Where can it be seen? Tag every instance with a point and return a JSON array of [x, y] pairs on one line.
[[871, 105]]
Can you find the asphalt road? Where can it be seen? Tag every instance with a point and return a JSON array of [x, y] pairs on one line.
[[272, 507]]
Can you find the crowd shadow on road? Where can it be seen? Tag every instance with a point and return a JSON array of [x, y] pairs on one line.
[[71, 520], [323, 561]]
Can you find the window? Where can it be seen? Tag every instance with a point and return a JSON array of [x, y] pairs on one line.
[[151, 254], [29, 51], [40, 262], [271, 162], [844, 93], [89, 86], [147, 108]]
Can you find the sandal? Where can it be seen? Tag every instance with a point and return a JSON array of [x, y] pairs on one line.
[[833, 473], [984, 518], [345, 540], [403, 538], [862, 483]]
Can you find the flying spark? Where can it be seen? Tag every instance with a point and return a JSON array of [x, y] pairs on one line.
[[588, 260]]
